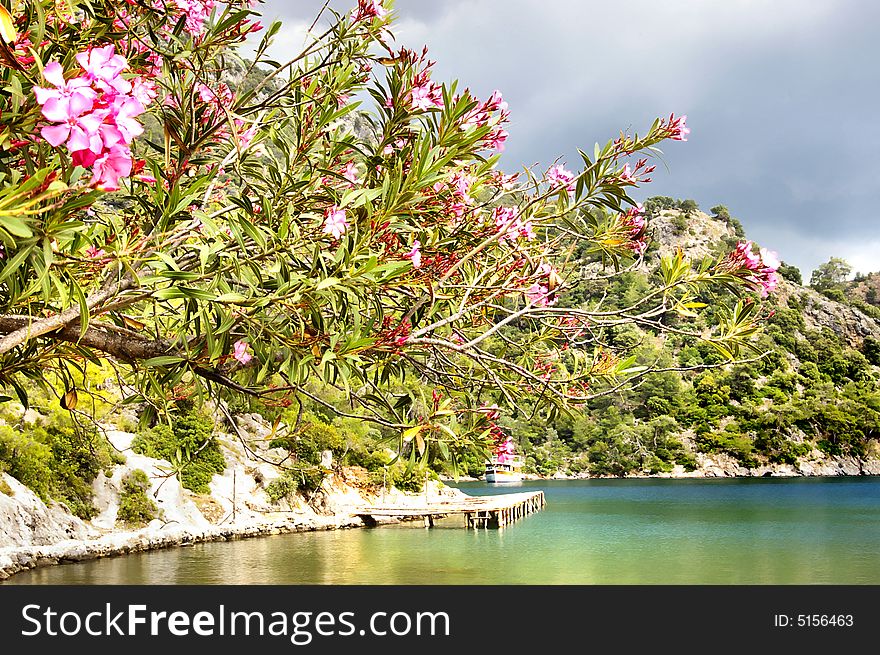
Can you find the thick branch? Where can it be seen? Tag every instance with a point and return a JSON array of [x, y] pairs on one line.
[[125, 345]]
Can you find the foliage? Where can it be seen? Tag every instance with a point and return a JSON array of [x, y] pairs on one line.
[[791, 273], [135, 506], [407, 478], [871, 350], [188, 444], [830, 275], [57, 460], [339, 221], [282, 488]]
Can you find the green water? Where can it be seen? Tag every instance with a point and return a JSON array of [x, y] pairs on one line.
[[755, 531]]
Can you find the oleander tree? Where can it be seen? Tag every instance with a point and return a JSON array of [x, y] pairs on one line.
[[210, 220]]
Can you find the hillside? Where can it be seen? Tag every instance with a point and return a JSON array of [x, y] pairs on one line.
[[810, 406], [866, 289]]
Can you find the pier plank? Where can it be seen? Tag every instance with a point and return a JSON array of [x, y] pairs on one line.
[[479, 511]]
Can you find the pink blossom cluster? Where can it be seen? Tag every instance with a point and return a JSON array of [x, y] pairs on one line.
[[415, 254], [94, 114], [558, 176], [511, 226], [197, 13], [504, 450], [633, 222], [674, 128], [240, 352], [370, 9], [758, 269], [484, 115], [335, 222], [636, 174], [540, 293], [457, 202], [425, 94], [219, 101]]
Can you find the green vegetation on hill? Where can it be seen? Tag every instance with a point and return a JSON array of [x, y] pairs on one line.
[[55, 452], [811, 389], [187, 443]]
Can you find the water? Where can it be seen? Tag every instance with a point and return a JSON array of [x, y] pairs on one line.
[[740, 531]]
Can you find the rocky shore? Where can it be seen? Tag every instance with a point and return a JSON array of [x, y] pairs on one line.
[[721, 465], [34, 533]]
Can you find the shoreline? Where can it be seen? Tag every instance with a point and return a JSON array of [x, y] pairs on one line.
[[16, 559]]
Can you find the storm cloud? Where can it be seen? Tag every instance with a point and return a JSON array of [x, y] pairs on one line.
[[782, 98]]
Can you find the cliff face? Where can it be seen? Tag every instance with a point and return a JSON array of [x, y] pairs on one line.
[[700, 235], [866, 290], [847, 322]]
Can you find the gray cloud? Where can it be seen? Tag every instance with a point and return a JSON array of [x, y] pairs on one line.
[[781, 96]]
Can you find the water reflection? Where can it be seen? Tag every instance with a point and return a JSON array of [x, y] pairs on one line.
[[591, 532]]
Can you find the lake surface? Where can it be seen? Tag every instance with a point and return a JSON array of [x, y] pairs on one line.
[[646, 531]]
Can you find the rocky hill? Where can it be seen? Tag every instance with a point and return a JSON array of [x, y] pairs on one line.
[[810, 407]]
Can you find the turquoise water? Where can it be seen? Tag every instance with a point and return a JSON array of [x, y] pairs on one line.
[[730, 531]]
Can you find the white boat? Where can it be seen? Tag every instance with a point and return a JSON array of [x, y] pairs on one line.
[[504, 468]]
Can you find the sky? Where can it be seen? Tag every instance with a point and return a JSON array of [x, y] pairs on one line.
[[782, 98]]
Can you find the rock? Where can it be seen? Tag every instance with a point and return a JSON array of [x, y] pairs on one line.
[[25, 520]]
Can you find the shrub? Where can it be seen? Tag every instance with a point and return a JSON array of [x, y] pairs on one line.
[[407, 478], [739, 446], [790, 273], [26, 460], [57, 461], [281, 488], [135, 506], [189, 445], [871, 350], [679, 223], [307, 444]]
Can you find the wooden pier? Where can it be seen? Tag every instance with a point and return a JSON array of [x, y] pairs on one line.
[[478, 511]]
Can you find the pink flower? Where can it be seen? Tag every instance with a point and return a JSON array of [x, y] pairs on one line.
[[103, 66], [109, 167], [770, 259], [426, 96], [768, 283], [94, 253], [759, 270], [79, 132], [510, 225], [126, 108], [69, 98], [495, 102], [676, 129], [370, 9], [415, 254], [240, 352], [350, 173], [144, 91], [558, 176], [537, 295], [334, 222], [495, 140], [196, 12]]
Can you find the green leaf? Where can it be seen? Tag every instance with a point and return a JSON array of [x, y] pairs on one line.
[[327, 283], [15, 226], [163, 360]]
